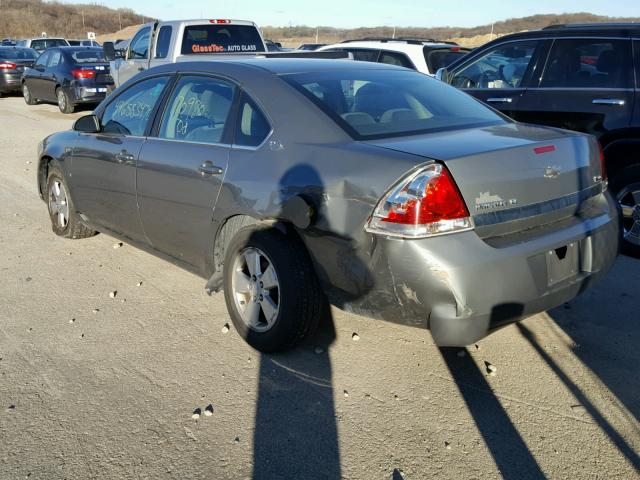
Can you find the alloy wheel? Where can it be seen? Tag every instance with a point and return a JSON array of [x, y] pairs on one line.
[[58, 204], [629, 199], [62, 101], [256, 289]]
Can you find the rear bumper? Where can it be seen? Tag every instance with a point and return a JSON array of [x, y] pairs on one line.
[[10, 82], [87, 94], [462, 288]]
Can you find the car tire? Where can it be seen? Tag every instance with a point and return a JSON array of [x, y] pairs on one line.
[[65, 222], [26, 94], [281, 284], [64, 103], [625, 186]]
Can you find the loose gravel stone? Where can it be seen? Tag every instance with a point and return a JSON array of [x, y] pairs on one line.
[[113, 294], [72, 320], [96, 310], [236, 440], [117, 245], [208, 411], [346, 394], [196, 414], [225, 328], [355, 337], [139, 284], [491, 369]]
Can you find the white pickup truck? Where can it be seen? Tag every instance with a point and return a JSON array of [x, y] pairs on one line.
[[158, 43]]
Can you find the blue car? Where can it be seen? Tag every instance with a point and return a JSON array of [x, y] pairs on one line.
[[68, 76]]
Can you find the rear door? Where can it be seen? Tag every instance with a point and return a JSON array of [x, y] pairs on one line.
[[587, 85], [180, 169], [51, 76], [499, 76], [104, 164]]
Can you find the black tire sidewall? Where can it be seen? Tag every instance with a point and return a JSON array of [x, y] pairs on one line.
[[295, 287], [68, 107]]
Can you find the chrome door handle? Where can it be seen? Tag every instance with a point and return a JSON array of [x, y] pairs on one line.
[[617, 102], [500, 100], [208, 169], [124, 158]]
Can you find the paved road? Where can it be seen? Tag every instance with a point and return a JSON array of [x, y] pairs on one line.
[[100, 387]]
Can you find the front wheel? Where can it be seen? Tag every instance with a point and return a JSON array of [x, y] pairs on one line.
[[626, 187], [64, 103], [270, 288], [28, 97], [65, 222]]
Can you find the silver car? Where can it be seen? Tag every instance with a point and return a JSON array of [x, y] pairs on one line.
[[290, 183]]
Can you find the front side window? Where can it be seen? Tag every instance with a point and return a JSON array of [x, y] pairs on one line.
[[387, 103], [395, 58], [140, 44], [502, 67], [589, 63], [163, 41], [129, 112], [221, 38], [54, 59], [197, 110], [252, 126]]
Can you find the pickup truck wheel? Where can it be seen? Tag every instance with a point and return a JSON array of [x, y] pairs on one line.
[[626, 186], [26, 93], [65, 222], [64, 103], [270, 288]]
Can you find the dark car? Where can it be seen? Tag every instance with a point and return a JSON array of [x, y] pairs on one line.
[[9, 42], [579, 77], [285, 180], [310, 46], [68, 76], [13, 61]]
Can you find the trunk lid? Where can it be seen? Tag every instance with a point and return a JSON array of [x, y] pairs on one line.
[[512, 172]]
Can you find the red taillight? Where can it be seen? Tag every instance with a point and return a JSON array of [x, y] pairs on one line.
[[426, 203], [545, 149], [455, 49], [83, 73], [219, 20], [603, 167], [8, 66]]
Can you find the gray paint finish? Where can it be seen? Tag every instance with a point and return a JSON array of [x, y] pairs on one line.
[[461, 285]]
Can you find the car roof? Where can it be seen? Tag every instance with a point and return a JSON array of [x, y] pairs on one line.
[[14, 47], [585, 29], [395, 45]]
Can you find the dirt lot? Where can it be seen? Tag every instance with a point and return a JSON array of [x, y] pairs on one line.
[[99, 387]]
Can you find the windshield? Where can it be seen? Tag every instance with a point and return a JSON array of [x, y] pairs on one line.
[[221, 39], [387, 103], [88, 56], [43, 44], [18, 54]]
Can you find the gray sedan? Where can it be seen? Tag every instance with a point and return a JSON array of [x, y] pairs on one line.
[[293, 183]]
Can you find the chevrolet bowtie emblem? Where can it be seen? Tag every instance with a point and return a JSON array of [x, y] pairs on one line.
[[552, 172]]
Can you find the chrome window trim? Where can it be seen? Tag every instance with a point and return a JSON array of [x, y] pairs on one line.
[[210, 144]]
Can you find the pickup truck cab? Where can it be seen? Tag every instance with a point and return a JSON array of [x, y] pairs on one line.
[[159, 43]]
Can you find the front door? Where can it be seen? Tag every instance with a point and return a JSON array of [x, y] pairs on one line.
[[499, 76], [587, 85], [103, 167], [181, 169], [137, 56], [35, 81]]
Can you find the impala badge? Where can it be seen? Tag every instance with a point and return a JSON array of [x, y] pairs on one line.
[[486, 201]]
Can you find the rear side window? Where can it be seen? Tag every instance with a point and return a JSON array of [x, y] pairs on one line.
[[129, 112], [502, 67], [163, 41], [55, 58], [589, 63], [17, 54], [364, 54], [252, 126], [140, 44], [442, 57], [44, 43], [197, 110], [395, 58], [221, 39]]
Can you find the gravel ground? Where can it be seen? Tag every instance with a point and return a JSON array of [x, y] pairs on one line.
[[101, 386]]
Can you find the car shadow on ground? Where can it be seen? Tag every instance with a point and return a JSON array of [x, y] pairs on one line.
[[295, 432]]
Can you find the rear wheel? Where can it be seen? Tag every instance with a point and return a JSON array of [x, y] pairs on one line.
[[28, 97], [64, 103], [626, 186], [270, 287], [65, 222]]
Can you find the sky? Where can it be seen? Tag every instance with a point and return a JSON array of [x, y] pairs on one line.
[[363, 13]]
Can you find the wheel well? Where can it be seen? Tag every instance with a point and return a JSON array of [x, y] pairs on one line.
[[620, 154], [43, 172]]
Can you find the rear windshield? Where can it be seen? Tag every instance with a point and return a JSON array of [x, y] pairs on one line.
[[18, 54], [88, 56], [221, 39], [442, 57], [44, 43], [388, 103]]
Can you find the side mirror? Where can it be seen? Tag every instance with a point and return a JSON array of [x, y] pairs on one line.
[[109, 51], [87, 124], [443, 75]]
